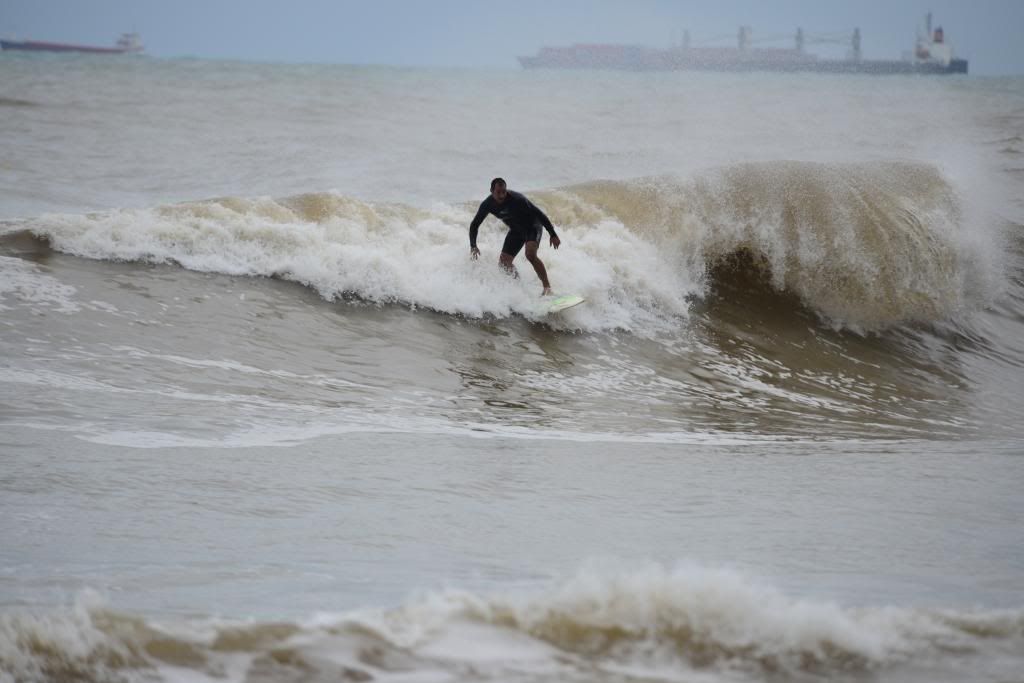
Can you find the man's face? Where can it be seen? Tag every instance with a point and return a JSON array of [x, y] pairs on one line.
[[499, 193]]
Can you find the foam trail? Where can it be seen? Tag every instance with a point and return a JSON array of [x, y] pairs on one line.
[[23, 281]]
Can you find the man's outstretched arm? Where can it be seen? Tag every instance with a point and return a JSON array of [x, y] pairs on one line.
[[474, 227]]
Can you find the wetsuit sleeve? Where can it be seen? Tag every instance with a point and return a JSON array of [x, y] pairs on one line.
[[474, 227], [543, 218]]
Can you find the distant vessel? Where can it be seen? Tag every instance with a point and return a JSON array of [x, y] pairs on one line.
[[931, 55], [128, 42]]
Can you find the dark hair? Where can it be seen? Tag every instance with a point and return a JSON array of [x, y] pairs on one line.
[[496, 182]]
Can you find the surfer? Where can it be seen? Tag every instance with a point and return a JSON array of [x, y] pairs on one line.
[[524, 221]]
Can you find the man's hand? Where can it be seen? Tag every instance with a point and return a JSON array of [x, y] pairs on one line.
[[555, 242], [474, 253]]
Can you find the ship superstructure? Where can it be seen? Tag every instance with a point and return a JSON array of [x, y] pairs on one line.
[[931, 55]]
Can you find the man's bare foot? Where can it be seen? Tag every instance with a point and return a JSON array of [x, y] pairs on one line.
[[546, 292]]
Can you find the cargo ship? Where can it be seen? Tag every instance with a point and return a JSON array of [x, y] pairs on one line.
[[931, 55], [127, 43]]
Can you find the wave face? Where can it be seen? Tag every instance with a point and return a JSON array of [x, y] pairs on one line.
[[652, 623], [866, 246]]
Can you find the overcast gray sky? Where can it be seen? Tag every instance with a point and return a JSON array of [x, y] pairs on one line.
[[488, 33]]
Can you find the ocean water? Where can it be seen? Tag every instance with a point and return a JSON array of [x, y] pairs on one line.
[[262, 419]]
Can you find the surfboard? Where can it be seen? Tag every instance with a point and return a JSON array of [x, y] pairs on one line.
[[560, 303]]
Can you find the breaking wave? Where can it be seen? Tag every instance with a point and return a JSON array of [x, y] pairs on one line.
[[865, 246], [652, 623]]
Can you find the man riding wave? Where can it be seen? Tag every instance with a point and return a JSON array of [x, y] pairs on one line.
[[524, 221]]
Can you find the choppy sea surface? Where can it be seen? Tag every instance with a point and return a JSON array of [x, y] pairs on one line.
[[262, 418]]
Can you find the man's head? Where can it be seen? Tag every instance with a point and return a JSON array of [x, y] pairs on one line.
[[499, 190]]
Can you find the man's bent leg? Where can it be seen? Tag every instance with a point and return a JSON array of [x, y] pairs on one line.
[[538, 265], [505, 261], [513, 243]]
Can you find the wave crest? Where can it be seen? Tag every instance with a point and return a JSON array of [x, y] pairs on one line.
[[867, 246]]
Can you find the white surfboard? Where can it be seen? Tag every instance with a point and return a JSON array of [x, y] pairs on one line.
[[560, 303]]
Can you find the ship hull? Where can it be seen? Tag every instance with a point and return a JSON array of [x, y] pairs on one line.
[[732, 61], [38, 46]]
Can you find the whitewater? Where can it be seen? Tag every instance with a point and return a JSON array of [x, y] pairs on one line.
[[263, 419]]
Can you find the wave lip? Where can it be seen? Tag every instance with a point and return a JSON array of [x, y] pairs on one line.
[[868, 245], [865, 245], [653, 623]]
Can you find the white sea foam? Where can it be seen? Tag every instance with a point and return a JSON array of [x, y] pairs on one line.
[[653, 621], [382, 254], [28, 283]]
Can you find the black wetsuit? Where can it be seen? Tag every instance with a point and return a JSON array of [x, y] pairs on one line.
[[524, 221]]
